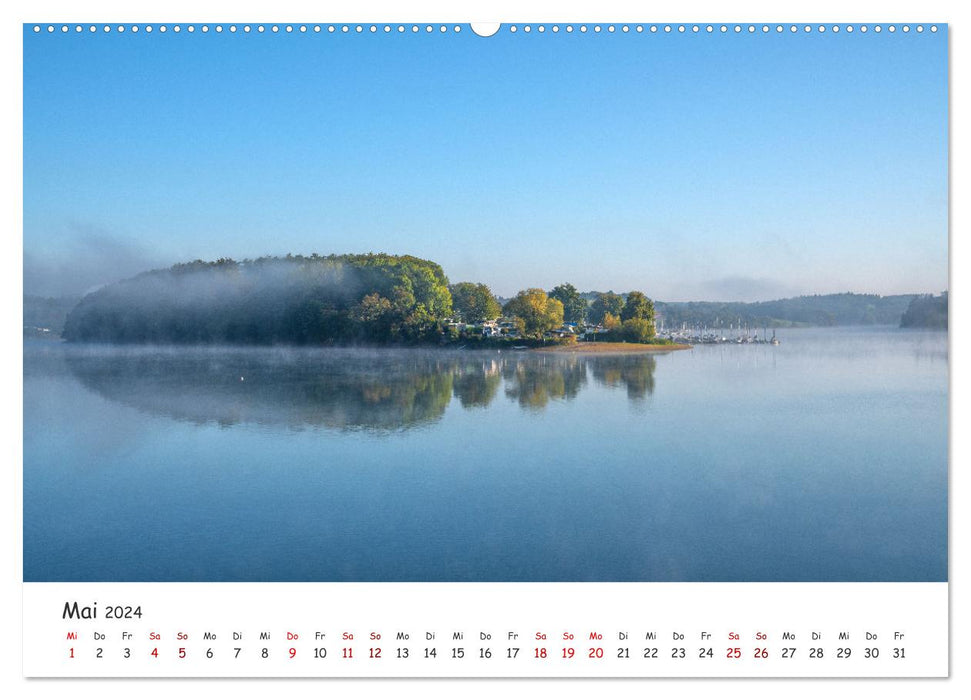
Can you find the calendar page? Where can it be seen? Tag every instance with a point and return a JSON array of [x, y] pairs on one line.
[[423, 349]]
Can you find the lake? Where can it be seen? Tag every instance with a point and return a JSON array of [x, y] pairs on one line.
[[821, 459]]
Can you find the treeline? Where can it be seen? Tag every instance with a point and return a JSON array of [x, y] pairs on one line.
[[630, 318], [926, 311], [44, 317], [338, 299], [297, 300], [390, 299], [816, 310]]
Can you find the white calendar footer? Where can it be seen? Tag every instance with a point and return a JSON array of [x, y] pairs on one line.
[[485, 629]]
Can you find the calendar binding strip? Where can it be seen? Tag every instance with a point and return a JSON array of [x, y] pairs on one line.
[[514, 28]]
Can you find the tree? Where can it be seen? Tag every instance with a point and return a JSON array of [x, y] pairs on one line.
[[373, 314], [637, 330], [607, 303], [637, 306], [574, 305], [538, 312], [474, 303]]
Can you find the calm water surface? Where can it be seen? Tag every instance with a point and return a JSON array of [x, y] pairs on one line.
[[822, 459]]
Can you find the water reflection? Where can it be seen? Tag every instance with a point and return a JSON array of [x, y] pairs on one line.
[[633, 372], [533, 382], [475, 466], [477, 383], [340, 389]]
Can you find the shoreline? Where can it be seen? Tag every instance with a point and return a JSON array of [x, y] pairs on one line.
[[581, 348], [597, 348]]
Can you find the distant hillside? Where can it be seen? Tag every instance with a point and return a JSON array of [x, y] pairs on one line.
[[817, 310], [44, 316], [926, 311]]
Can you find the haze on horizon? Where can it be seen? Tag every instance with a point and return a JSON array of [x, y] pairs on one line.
[[92, 261], [728, 168]]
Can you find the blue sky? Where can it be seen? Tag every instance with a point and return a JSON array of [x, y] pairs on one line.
[[690, 166]]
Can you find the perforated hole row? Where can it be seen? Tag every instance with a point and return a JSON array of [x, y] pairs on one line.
[[719, 28], [251, 28], [455, 28]]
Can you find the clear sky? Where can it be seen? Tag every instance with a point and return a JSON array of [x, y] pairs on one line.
[[690, 166]]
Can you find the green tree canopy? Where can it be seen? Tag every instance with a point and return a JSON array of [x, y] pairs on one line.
[[474, 303], [637, 330], [296, 299], [611, 322], [574, 305], [538, 311], [607, 303], [637, 306]]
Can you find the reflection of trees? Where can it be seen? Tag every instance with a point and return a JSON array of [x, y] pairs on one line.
[[341, 389], [533, 381], [336, 389], [634, 372], [476, 383]]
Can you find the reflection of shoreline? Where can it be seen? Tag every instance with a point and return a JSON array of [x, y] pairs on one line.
[[342, 390], [613, 348]]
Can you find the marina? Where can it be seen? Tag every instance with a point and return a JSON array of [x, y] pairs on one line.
[[735, 335]]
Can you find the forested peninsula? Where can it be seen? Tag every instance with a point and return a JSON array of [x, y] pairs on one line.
[[374, 299], [382, 299]]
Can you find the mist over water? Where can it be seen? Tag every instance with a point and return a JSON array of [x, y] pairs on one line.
[[821, 459]]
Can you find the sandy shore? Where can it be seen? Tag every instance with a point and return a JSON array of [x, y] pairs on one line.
[[611, 348]]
